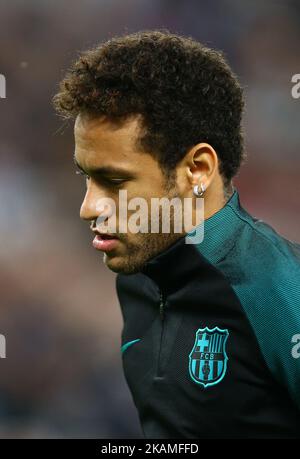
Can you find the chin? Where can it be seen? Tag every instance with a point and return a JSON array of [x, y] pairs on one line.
[[120, 265]]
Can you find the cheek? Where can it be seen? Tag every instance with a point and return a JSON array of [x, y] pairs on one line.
[[137, 199], [182, 184]]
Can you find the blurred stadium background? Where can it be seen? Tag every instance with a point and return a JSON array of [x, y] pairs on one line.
[[59, 312]]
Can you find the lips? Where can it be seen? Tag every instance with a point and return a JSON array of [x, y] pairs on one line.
[[106, 236], [105, 242]]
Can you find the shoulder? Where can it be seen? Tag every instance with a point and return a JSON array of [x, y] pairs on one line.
[[266, 258], [263, 268]]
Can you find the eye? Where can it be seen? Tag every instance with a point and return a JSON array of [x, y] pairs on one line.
[[113, 182]]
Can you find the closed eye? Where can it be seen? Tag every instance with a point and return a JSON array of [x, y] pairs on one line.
[[111, 182], [105, 180]]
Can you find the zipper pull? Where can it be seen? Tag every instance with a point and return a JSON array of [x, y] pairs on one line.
[[161, 306]]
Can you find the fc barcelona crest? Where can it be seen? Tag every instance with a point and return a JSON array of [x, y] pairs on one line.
[[208, 358]]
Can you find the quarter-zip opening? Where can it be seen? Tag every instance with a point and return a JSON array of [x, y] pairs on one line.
[[162, 304]]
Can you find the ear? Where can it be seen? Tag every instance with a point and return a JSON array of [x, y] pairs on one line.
[[201, 164]]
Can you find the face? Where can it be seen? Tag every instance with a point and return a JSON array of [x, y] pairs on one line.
[[107, 155]]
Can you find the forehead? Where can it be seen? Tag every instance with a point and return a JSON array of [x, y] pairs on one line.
[[99, 137]]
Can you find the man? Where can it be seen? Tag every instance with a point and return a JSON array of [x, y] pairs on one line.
[[211, 329]]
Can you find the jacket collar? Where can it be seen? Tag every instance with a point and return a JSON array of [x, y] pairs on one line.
[[174, 266]]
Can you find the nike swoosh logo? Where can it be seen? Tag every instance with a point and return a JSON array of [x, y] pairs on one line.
[[126, 345]]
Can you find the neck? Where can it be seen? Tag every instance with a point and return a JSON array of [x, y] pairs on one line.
[[215, 198]]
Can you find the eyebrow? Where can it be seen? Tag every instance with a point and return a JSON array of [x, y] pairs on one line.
[[104, 170]]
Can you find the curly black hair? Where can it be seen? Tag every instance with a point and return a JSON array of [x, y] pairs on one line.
[[185, 92]]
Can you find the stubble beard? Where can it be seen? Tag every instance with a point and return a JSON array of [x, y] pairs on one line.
[[146, 245]]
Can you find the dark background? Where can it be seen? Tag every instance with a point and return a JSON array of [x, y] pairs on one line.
[[59, 312]]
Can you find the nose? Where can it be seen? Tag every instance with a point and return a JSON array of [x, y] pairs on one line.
[[88, 209], [96, 206]]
